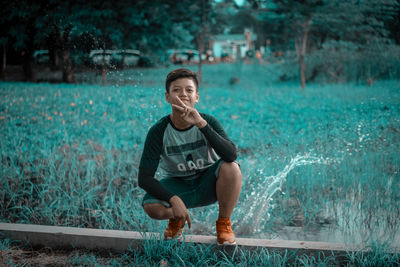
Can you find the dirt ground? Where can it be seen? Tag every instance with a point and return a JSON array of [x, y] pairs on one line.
[[49, 257], [25, 257]]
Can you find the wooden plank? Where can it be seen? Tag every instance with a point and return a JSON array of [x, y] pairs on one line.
[[120, 241]]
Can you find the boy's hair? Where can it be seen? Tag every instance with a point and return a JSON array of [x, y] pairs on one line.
[[181, 73]]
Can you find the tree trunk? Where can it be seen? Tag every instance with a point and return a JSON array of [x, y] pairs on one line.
[[68, 74], [27, 65], [302, 72], [104, 74], [301, 50], [3, 61], [55, 46], [104, 68], [201, 36], [54, 59], [200, 72], [200, 45]]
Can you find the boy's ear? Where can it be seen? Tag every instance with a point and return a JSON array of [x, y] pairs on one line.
[[197, 97], [167, 97]]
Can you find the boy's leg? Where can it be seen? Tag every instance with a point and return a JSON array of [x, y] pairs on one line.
[[227, 190], [228, 187], [158, 211], [161, 210]]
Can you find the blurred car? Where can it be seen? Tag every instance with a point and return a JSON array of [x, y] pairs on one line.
[[115, 57], [184, 56], [41, 56], [128, 57], [97, 56]]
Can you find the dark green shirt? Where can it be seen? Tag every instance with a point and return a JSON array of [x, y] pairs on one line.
[[183, 154]]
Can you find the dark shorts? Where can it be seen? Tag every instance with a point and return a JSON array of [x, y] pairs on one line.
[[197, 192]]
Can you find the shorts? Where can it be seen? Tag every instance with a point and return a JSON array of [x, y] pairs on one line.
[[197, 192]]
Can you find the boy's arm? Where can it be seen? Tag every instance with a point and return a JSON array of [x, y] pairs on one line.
[[152, 185], [212, 130], [149, 163], [218, 139]]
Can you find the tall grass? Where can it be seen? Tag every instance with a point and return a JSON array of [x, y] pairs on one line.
[[173, 253], [70, 153]]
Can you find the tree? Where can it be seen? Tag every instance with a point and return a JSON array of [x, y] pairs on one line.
[[355, 34], [18, 18], [205, 20], [393, 25], [32, 22], [60, 22], [150, 26], [331, 26], [154, 26], [201, 18], [299, 15], [3, 44]]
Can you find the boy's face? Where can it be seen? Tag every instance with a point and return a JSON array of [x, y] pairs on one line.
[[185, 89]]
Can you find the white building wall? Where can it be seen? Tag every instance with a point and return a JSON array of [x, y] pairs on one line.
[[217, 49]]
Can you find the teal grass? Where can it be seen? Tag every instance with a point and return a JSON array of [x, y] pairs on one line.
[[324, 158], [174, 253]]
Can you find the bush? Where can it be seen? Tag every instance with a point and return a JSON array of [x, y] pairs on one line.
[[340, 62]]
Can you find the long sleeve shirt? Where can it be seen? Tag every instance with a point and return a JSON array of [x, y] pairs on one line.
[[181, 154]]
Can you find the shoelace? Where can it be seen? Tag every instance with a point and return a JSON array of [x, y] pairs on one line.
[[224, 226]]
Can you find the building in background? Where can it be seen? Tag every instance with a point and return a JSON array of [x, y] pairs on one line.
[[230, 47]]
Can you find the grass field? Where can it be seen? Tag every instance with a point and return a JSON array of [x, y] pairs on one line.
[[172, 253], [324, 158]]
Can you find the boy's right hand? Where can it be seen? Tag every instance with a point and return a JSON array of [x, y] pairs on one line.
[[180, 211]]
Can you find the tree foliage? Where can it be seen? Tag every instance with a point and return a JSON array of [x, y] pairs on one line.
[[328, 35], [324, 36], [151, 26]]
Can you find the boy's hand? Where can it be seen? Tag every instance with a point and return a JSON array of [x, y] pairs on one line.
[[189, 114], [180, 211]]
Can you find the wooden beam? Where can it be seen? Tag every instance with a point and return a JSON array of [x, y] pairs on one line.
[[120, 241]]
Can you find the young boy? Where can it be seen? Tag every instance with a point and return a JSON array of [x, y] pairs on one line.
[[196, 159]]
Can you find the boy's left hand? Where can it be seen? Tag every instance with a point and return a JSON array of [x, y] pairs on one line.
[[189, 114]]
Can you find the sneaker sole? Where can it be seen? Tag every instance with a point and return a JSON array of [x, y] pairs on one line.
[[226, 243]]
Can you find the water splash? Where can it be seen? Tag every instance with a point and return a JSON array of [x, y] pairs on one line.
[[258, 204]]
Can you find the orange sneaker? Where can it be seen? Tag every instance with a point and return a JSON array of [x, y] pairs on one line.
[[174, 229], [225, 235]]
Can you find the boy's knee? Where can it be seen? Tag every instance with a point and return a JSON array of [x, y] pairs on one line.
[[230, 169], [155, 210]]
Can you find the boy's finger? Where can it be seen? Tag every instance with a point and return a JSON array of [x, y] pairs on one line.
[[185, 114], [181, 109], [189, 221], [181, 102], [178, 107]]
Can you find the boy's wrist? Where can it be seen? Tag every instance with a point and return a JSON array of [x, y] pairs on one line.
[[202, 124], [173, 199]]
